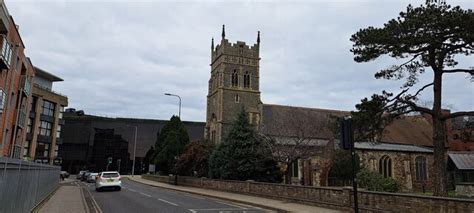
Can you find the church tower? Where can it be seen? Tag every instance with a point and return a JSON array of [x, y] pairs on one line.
[[234, 84]]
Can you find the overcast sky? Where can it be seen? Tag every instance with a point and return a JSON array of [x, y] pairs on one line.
[[117, 58]]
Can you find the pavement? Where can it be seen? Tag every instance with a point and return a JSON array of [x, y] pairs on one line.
[[68, 197], [277, 205]]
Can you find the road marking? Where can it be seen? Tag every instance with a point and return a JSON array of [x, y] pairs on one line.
[[132, 190], [174, 204], [223, 209], [145, 194], [227, 204], [193, 211]]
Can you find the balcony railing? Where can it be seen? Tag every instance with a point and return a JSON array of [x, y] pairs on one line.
[[25, 84], [5, 53], [3, 100], [21, 118]]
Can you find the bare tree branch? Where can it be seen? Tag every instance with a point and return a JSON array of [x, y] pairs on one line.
[[459, 114], [470, 71], [421, 89]]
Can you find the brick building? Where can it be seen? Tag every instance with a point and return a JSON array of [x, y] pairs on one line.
[[15, 86], [44, 121]]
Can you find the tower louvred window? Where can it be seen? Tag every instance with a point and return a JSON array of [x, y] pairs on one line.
[[247, 80], [235, 79]]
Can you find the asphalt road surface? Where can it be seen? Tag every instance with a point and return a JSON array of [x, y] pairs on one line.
[[137, 197]]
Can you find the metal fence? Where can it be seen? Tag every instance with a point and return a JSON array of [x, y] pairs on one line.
[[23, 184]]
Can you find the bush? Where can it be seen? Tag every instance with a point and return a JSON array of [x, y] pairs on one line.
[[374, 181]]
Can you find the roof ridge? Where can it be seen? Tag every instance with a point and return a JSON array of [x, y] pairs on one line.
[[299, 107]]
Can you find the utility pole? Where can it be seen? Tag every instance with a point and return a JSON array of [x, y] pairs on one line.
[[179, 113]]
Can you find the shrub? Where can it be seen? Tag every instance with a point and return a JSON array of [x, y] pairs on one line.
[[374, 181]]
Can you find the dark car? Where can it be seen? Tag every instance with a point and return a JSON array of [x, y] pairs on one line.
[[64, 174], [81, 173], [85, 175]]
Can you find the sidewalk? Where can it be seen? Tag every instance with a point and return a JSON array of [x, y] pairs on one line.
[[68, 198], [247, 199]]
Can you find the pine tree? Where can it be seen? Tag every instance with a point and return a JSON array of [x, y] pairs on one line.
[[241, 156], [171, 143]]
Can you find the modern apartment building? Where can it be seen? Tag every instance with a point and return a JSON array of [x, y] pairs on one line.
[[16, 74], [44, 120]]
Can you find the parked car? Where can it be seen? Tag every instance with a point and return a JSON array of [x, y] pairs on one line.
[[85, 175], [108, 180], [92, 176], [81, 173], [64, 174]]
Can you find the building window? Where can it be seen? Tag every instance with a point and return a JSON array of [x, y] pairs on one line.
[[235, 79], [26, 149], [45, 128], [42, 150], [420, 167], [236, 98], [250, 118], [294, 171], [29, 126], [385, 166], [56, 150], [58, 131], [47, 108], [12, 99], [61, 111], [247, 80], [33, 104], [3, 100]]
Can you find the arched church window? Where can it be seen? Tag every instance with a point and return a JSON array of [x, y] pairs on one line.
[[235, 79], [420, 167], [246, 80], [385, 166]]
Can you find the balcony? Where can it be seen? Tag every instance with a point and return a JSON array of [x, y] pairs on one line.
[[5, 53], [25, 85], [4, 18], [21, 118]]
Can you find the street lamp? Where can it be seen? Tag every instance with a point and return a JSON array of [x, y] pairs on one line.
[[169, 94], [134, 149]]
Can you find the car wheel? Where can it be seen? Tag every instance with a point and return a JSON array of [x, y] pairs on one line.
[[119, 188], [97, 189]]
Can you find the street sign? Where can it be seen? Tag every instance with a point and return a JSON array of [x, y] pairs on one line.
[[109, 160], [347, 135]]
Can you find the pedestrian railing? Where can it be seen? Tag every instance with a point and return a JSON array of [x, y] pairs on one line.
[[23, 184]]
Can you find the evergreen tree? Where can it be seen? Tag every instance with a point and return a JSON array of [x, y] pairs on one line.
[[428, 38], [172, 140], [241, 156]]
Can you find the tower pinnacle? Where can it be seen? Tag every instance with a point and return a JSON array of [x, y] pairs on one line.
[[212, 43], [258, 37], [223, 31]]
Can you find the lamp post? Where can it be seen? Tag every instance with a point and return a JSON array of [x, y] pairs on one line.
[[169, 94], [134, 149]]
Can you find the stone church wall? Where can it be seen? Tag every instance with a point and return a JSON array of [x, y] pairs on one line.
[[403, 167]]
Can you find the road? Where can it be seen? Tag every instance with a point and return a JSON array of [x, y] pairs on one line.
[[137, 197]]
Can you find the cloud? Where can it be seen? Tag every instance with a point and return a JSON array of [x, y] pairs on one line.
[[118, 57]]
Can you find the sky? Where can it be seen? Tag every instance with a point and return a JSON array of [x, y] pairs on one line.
[[118, 58]]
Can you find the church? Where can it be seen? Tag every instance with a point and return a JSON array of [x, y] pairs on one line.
[[234, 84]]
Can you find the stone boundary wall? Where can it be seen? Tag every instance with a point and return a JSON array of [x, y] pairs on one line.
[[330, 197]]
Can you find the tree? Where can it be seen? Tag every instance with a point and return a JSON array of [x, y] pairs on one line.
[[341, 168], [241, 156], [195, 158], [172, 140], [427, 38], [296, 138], [148, 157]]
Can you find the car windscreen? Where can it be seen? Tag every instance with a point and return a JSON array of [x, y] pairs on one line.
[[110, 175]]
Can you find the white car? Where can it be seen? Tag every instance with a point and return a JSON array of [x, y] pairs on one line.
[[108, 180]]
